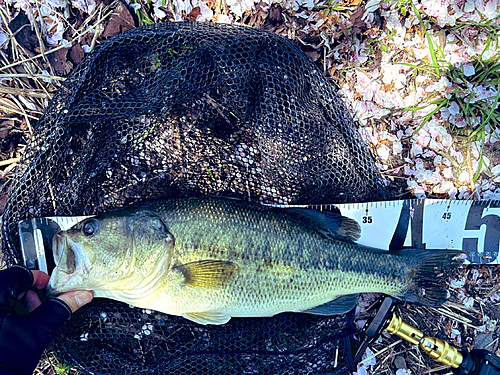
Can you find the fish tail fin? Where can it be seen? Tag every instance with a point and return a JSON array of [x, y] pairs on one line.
[[424, 284]]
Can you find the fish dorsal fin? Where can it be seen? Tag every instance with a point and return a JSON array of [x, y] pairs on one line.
[[331, 224], [207, 273], [208, 317], [338, 306]]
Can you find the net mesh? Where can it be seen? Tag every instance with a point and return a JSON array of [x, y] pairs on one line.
[[184, 109]]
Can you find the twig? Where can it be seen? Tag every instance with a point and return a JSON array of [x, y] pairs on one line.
[[476, 189], [9, 109], [452, 315], [436, 369], [447, 156], [41, 44], [51, 191], [23, 92], [97, 31], [469, 170], [16, 47], [381, 351], [54, 11], [9, 161], [30, 59], [26, 75], [64, 45], [395, 168], [460, 307], [26, 116], [493, 290], [419, 359], [491, 343], [394, 176]]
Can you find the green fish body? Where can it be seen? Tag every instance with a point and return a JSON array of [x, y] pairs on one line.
[[210, 259]]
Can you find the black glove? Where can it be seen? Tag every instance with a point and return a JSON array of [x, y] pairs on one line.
[[23, 337]]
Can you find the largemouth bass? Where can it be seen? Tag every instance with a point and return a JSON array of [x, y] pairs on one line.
[[211, 259]]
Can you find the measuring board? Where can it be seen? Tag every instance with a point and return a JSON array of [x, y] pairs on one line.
[[36, 239], [470, 226]]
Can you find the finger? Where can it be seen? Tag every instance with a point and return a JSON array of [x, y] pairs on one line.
[[40, 279], [76, 299], [32, 301]]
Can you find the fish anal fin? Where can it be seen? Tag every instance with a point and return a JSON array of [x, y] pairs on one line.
[[338, 306], [207, 273], [331, 224], [207, 317]]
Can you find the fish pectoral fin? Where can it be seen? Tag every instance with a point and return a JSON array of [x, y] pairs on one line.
[[208, 317], [331, 224], [207, 273], [338, 306]]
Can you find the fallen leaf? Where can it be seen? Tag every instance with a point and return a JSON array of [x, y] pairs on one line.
[[23, 31], [313, 55], [120, 21], [193, 15], [7, 105], [76, 53], [351, 3], [53, 29], [3, 202], [7, 124], [275, 15], [60, 63], [356, 18]]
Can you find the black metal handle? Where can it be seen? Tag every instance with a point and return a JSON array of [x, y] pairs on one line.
[[478, 362]]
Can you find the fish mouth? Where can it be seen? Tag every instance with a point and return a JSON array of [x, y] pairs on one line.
[[67, 260], [69, 264], [58, 244]]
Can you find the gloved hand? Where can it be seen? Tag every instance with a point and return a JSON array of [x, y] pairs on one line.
[[27, 326]]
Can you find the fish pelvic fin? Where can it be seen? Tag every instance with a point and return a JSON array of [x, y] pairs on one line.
[[425, 286], [338, 306], [207, 273], [208, 317]]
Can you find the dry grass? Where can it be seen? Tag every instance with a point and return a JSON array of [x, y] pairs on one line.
[[32, 82]]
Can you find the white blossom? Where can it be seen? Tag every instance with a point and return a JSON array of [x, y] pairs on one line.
[[468, 70], [383, 151]]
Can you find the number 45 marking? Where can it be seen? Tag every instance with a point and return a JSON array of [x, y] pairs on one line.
[[474, 222]]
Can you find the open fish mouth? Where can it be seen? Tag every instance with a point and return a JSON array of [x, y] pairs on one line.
[[58, 244], [65, 257], [68, 260]]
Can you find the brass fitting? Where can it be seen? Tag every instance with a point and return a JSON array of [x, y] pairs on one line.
[[404, 330], [438, 349]]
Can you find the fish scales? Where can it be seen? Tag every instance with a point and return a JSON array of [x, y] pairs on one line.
[[229, 258]]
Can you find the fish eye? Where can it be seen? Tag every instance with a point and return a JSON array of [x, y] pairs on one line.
[[90, 227]]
